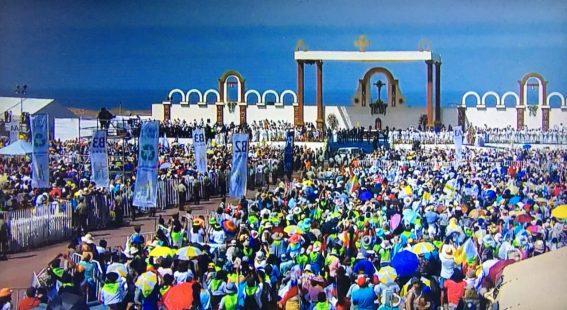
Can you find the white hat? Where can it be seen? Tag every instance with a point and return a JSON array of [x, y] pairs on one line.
[[88, 238]]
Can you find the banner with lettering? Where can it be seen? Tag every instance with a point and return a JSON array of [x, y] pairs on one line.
[[200, 149], [145, 189], [40, 151], [239, 173], [99, 159], [288, 154], [458, 140]]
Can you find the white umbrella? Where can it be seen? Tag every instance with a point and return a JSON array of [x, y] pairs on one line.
[[17, 148]]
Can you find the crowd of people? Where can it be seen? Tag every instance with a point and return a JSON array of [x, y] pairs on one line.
[[396, 229], [266, 130]]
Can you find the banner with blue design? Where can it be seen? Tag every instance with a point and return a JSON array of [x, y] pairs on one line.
[[239, 173], [288, 154], [99, 159], [40, 151], [458, 141], [200, 148], [145, 189]]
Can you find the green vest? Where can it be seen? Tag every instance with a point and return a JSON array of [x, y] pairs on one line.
[[322, 306], [110, 288], [230, 301], [163, 290], [215, 283], [250, 290], [176, 237]]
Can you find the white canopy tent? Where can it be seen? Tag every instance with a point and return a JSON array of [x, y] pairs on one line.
[[17, 148]]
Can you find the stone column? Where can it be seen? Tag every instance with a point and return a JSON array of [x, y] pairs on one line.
[[319, 97], [438, 95], [520, 117], [298, 109], [461, 117], [545, 118], [221, 91], [166, 110], [429, 93], [220, 113], [243, 113]]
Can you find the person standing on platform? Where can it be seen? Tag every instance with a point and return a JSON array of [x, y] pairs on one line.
[[196, 190]]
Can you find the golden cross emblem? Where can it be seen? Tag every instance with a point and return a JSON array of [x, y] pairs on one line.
[[362, 43], [300, 45]]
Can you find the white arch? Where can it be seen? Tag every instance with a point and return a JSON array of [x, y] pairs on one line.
[[510, 93], [214, 91], [467, 94], [177, 91], [561, 98], [540, 100], [270, 91], [194, 91], [493, 94], [253, 92], [225, 90], [290, 92]]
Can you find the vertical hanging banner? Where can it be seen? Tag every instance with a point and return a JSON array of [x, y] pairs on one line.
[[458, 140], [145, 189], [288, 154], [99, 159], [200, 148], [239, 173], [40, 151]]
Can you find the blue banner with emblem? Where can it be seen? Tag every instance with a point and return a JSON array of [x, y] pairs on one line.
[[145, 189], [288, 154], [40, 151], [200, 148], [99, 159], [239, 173]]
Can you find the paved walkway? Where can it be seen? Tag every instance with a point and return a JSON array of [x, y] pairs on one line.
[[17, 271]]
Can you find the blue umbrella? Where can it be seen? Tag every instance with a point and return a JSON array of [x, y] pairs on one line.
[[365, 195], [514, 200], [527, 146], [405, 263]]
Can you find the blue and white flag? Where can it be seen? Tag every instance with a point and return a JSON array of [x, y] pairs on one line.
[[239, 173], [288, 154], [99, 159], [458, 140], [40, 151], [145, 190], [200, 148]]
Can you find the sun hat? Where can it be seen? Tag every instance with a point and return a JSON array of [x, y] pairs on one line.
[[360, 255], [394, 301], [88, 238], [5, 292], [447, 251]]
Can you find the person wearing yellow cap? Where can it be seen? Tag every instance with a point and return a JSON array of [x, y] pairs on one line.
[[6, 299]]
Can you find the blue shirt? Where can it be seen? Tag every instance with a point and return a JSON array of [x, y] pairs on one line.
[[363, 298]]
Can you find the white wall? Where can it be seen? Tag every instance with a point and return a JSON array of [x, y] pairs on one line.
[[270, 112], [557, 117], [533, 121], [492, 117]]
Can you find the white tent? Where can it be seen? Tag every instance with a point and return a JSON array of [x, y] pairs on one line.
[[17, 148]]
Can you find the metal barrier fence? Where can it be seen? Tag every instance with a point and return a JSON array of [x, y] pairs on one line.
[[41, 225], [98, 274]]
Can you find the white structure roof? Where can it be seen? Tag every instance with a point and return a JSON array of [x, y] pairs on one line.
[[30, 105], [382, 56]]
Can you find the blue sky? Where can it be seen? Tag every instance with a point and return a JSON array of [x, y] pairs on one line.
[[87, 53]]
